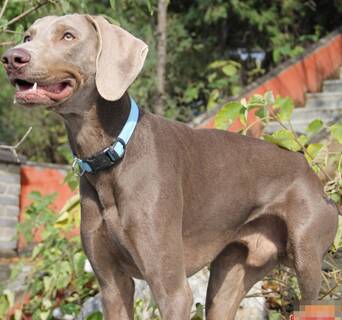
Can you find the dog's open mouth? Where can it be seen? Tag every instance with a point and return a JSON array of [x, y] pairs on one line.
[[42, 93]]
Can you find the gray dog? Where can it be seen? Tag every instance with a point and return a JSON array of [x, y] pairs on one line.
[[172, 199]]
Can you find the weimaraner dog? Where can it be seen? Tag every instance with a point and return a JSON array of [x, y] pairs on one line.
[[174, 199]]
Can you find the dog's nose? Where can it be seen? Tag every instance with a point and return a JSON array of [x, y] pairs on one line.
[[16, 58]]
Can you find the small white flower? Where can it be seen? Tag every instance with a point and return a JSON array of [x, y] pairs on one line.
[[87, 267], [57, 313]]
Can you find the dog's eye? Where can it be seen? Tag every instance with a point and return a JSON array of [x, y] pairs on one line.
[[68, 36], [27, 38]]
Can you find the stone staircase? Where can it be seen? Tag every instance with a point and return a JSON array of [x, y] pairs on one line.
[[325, 105]]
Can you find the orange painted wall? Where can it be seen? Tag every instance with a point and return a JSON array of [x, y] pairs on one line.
[[302, 76], [45, 180]]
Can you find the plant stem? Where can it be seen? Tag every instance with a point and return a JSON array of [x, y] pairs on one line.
[[275, 116]]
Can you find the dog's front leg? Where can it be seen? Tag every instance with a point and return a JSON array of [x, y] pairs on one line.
[[157, 248], [117, 289]]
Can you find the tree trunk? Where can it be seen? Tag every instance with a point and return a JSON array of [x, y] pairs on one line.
[[161, 55]]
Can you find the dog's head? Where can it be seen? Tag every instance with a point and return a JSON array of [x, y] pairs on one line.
[[68, 58]]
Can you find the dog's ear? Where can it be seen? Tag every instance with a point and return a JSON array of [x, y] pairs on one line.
[[119, 60]]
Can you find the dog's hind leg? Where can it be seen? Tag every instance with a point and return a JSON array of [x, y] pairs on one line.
[[260, 244], [230, 279], [309, 244]]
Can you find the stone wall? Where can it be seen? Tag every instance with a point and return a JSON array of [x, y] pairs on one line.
[[9, 207]]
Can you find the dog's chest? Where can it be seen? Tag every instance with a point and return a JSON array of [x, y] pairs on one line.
[[114, 228]]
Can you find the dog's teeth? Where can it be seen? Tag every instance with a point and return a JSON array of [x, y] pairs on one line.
[[17, 86], [14, 100], [34, 87]]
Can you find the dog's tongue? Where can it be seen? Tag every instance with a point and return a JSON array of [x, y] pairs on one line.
[[42, 94], [56, 87]]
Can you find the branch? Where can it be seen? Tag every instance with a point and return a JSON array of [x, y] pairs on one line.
[[27, 12], [7, 43], [3, 8], [161, 55], [16, 146]]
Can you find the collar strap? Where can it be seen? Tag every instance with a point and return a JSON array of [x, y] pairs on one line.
[[112, 154]]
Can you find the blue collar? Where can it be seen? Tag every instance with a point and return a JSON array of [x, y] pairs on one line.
[[112, 154]]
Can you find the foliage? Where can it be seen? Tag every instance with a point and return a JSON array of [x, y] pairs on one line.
[[281, 288], [267, 109], [57, 278], [199, 36]]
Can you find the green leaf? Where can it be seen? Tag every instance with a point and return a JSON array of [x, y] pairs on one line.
[[3, 23], [227, 114], [199, 315], [149, 7], [261, 112], [285, 106], [47, 283], [256, 100], [212, 101], [314, 126], [112, 4], [4, 306], [336, 131], [283, 138], [95, 316], [64, 275], [190, 94], [303, 139], [229, 70], [269, 98], [217, 64], [79, 260], [336, 197], [70, 308], [36, 250], [10, 297], [243, 116], [338, 237], [274, 315], [18, 314], [65, 6], [313, 149], [44, 315]]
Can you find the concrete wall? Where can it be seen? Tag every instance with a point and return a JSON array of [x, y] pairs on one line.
[[9, 207]]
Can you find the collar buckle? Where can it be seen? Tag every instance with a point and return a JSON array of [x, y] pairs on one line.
[[116, 151], [77, 168]]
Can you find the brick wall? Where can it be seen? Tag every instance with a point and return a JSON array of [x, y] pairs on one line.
[[9, 207]]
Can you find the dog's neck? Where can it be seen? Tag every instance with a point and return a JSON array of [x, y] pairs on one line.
[[95, 129]]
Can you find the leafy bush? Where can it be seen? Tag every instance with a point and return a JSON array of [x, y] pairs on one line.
[[325, 158], [57, 277]]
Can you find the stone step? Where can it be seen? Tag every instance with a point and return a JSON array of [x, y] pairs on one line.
[[302, 117], [325, 114], [5, 273], [332, 86], [325, 100]]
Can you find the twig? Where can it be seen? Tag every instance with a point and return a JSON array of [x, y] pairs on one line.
[[3, 8], [330, 291], [12, 31], [27, 12], [16, 146], [257, 120], [7, 43]]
